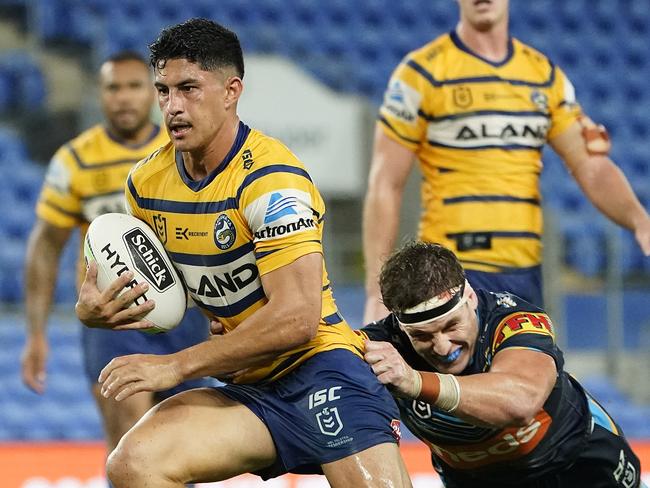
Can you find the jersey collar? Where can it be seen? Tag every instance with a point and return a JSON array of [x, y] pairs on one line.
[[242, 133], [113, 137], [455, 38]]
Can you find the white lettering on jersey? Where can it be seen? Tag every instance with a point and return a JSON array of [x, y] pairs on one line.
[[224, 284], [95, 206], [476, 131], [279, 213], [402, 101]]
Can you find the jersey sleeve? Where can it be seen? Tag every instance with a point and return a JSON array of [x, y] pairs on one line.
[[379, 330], [527, 330], [131, 194], [284, 213], [58, 203], [564, 106], [400, 113]]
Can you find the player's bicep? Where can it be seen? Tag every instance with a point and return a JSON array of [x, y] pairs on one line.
[[531, 368], [391, 162], [294, 290]]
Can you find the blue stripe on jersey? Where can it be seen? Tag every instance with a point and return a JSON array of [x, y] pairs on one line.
[[506, 147], [212, 259], [242, 133], [489, 198], [95, 195], [498, 268], [525, 113], [333, 319], [236, 308], [267, 170], [105, 164], [499, 233], [64, 211], [383, 120], [172, 206], [260, 255], [480, 79]]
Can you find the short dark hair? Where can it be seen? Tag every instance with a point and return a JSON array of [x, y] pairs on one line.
[[126, 55], [416, 272], [200, 41]]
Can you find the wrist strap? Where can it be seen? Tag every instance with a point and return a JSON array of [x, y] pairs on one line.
[[441, 390]]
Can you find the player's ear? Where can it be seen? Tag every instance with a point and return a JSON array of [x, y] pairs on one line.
[[472, 299], [234, 87]]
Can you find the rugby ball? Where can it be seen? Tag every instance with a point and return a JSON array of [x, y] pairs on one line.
[[118, 243]]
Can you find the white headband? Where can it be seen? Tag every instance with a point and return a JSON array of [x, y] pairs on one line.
[[436, 307]]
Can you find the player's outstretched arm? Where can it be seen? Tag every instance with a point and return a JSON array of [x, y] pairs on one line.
[[603, 182], [389, 170], [509, 395], [111, 308], [44, 248]]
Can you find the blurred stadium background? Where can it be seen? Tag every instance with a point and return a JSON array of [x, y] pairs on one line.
[[327, 63]]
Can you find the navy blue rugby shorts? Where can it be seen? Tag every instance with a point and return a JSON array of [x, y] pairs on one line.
[[330, 407], [100, 346], [525, 283]]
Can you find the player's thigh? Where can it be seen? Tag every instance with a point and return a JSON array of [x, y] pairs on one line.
[[198, 435], [375, 467], [119, 417]]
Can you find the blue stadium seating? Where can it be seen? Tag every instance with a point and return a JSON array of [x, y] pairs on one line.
[[24, 81]]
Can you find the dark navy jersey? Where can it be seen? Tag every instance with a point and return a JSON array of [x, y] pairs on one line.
[[462, 451]]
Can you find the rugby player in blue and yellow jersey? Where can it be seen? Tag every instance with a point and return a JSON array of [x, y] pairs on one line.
[[301, 397], [475, 107], [86, 179], [479, 378]]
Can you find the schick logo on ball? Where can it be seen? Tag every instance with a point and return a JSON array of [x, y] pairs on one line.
[[148, 260]]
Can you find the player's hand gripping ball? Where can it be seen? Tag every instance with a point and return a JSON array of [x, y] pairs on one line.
[[119, 243]]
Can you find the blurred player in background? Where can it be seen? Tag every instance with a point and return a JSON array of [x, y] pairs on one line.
[[479, 378], [85, 179], [305, 400], [475, 107]]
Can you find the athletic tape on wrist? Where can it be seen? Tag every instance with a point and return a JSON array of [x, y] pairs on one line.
[[417, 384], [449, 396]]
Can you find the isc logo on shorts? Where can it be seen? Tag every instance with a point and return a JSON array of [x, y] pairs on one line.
[[322, 396], [329, 421]]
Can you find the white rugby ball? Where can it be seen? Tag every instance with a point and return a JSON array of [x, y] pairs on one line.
[[120, 242]]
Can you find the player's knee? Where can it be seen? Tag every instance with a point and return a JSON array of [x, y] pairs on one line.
[[129, 461]]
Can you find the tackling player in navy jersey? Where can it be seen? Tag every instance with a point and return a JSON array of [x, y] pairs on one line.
[[479, 378]]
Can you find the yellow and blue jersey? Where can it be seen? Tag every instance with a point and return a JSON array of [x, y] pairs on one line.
[[85, 178], [478, 128], [258, 211]]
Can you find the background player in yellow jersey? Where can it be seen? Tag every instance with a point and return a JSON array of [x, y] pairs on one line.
[[85, 179], [305, 400], [475, 107]]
